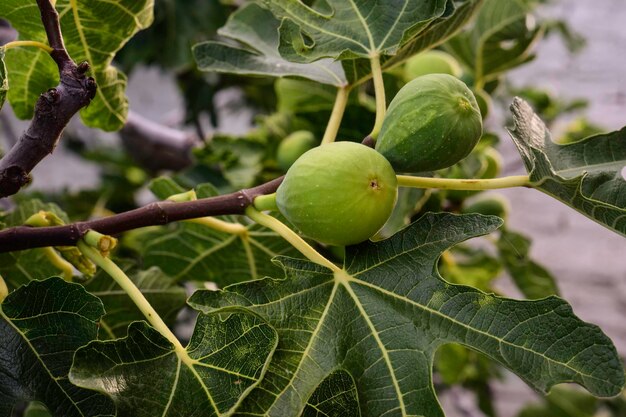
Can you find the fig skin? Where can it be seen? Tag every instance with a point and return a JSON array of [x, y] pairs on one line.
[[293, 146], [432, 123], [431, 62], [340, 193]]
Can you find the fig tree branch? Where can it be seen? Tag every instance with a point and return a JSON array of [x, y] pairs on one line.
[[53, 110], [154, 214]]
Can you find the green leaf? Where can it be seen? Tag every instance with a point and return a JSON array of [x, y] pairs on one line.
[[384, 315], [41, 326], [36, 410], [19, 268], [93, 31], [532, 279], [196, 252], [500, 39], [585, 175], [166, 297], [147, 376], [4, 83], [254, 31], [343, 29], [563, 402]]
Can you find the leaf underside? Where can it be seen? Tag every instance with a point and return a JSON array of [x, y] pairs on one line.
[[382, 319], [586, 175]]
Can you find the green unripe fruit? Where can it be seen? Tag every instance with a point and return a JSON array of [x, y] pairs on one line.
[[489, 205], [431, 62], [293, 146], [432, 123], [484, 102], [341, 193]]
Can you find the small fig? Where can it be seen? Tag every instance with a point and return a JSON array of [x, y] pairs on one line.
[[482, 163], [432, 123], [293, 146], [489, 205], [340, 193], [431, 62]]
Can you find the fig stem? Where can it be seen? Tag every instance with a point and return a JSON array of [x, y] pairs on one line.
[[133, 292], [291, 237], [266, 202], [379, 89], [341, 101], [58, 262], [221, 226], [464, 184], [4, 290], [17, 44]]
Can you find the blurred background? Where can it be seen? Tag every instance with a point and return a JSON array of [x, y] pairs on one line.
[[189, 122]]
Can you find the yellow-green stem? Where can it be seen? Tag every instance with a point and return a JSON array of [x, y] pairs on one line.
[[4, 290], [381, 100], [341, 101], [58, 262], [17, 44], [291, 237], [221, 226], [133, 292], [464, 184], [266, 202]]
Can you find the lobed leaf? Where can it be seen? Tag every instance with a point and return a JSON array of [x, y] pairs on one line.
[[586, 175], [42, 324], [93, 30], [383, 316], [254, 50], [147, 376]]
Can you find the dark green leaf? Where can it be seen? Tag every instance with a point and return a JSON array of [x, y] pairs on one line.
[[586, 175], [342, 29], [382, 318], [42, 324], [500, 39], [255, 52], [93, 31], [147, 376], [532, 279], [166, 297]]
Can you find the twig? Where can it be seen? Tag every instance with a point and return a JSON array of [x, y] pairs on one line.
[[53, 110], [157, 147], [24, 237]]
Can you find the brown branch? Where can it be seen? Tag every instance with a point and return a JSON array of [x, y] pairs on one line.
[[23, 237], [53, 110]]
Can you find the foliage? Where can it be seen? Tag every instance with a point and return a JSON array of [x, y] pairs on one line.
[[283, 326]]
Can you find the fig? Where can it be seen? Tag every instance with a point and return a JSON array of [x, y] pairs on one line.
[[293, 146], [483, 163], [339, 193], [431, 62], [432, 123], [489, 205]]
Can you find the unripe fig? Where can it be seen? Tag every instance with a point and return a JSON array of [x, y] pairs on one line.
[[489, 205], [432, 123], [293, 146], [340, 193], [431, 62]]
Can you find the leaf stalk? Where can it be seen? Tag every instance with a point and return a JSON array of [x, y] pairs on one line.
[[464, 184]]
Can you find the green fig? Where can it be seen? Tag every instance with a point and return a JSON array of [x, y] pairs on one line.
[[340, 193]]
